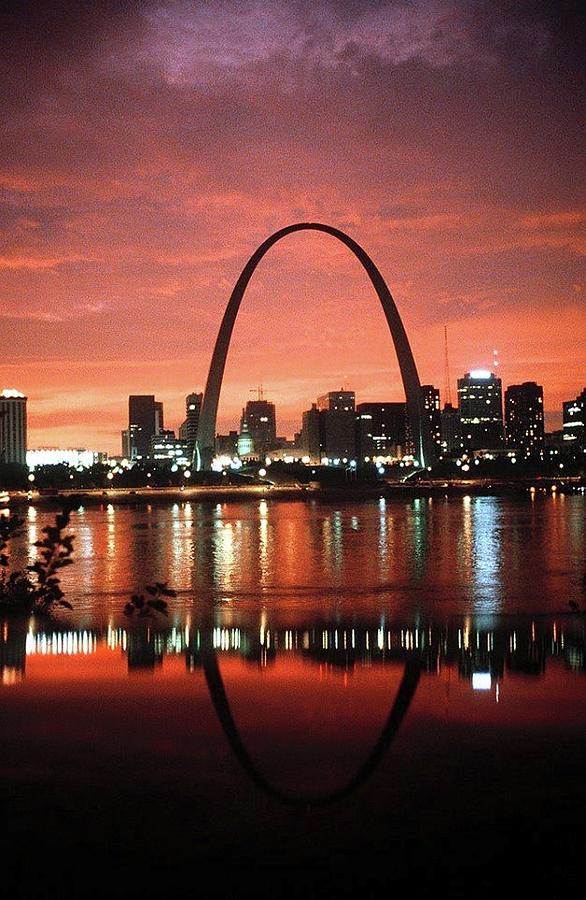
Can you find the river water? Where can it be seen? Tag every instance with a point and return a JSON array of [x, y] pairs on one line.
[[342, 698]]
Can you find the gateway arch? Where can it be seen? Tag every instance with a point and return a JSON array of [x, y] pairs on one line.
[[418, 420]]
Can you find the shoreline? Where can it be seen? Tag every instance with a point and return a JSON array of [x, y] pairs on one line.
[[266, 491]]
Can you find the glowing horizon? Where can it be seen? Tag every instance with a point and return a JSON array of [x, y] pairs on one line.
[[152, 147]]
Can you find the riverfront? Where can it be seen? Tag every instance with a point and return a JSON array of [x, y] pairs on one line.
[[340, 696]]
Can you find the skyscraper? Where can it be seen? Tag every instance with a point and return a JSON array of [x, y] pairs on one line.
[[431, 405], [145, 420], [574, 424], [12, 427], [260, 417], [312, 438], [481, 410], [524, 418], [381, 430], [188, 429], [451, 430], [339, 423]]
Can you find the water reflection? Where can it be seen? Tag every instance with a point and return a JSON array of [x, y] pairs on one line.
[[513, 649], [469, 554], [487, 659]]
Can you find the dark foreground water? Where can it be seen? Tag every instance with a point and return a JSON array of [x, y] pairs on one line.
[[343, 699]]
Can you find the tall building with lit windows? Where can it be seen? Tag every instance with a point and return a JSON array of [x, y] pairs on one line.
[[524, 428], [451, 430], [188, 429], [261, 424], [574, 424], [12, 427], [145, 420], [338, 420], [431, 405], [480, 400], [381, 430]]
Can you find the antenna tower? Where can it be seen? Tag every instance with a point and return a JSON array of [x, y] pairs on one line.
[[447, 385]]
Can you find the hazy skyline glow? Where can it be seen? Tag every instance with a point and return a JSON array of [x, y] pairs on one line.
[[148, 148]]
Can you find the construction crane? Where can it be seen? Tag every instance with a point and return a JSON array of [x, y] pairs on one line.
[[259, 391]]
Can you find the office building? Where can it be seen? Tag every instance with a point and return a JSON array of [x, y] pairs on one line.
[[338, 424], [574, 413], [312, 437], [75, 458], [481, 410], [451, 430], [261, 423], [227, 444], [337, 401], [166, 447], [381, 430], [524, 429], [431, 408], [145, 420], [12, 427], [188, 428]]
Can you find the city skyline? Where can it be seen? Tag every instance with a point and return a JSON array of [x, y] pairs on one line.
[[569, 408], [121, 243]]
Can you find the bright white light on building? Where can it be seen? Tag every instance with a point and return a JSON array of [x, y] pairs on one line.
[[262, 472], [11, 393], [187, 473], [480, 373], [54, 456], [481, 681]]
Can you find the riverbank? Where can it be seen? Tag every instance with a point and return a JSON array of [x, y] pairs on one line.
[[265, 490]]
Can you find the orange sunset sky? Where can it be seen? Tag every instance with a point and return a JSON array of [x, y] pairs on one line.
[[149, 147]]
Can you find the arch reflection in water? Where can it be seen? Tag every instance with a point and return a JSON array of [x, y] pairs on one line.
[[393, 722], [484, 657]]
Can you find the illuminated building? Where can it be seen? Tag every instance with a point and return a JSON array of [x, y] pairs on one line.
[[338, 424], [337, 401], [574, 420], [55, 456], [481, 410], [431, 407], [260, 418], [381, 430], [188, 429], [12, 427], [524, 427], [165, 446], [145, 420], [451, 429], [246, 448]]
